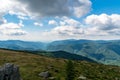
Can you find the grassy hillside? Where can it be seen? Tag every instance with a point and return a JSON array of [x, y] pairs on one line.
[[31, 65]]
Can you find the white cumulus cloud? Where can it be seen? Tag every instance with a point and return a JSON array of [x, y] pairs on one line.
[[11, 29], [38, 24], [104, 24], [101, 26], [67, 28], [52, 22]]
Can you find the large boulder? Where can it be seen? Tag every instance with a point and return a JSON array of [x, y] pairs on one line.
[[9, 72]]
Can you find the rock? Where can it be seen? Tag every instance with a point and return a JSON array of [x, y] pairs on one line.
[[50, 67], [1, 74], [51, 78], [8, 68], [9, 72], [45, 74], [82, 77]]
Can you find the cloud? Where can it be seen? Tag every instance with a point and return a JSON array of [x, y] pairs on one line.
[[38, 24], [104, 24], [101, 26], [52, 22], [43, 8], [3, 20], [81, 7], [12, 29], [12, 7], [22, 17], [5, 6], [69, 21], [67, 28], [93, 26], [67, 31]]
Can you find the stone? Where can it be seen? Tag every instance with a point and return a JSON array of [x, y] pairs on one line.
[[45, 74], [9, 72], [51, 78], [50, 67], [1, 73], [82, 77], [16, 74]]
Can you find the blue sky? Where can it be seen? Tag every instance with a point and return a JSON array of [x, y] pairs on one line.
[[105, 6], [49, 20]]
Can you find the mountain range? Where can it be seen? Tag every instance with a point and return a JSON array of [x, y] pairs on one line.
[[107, 52]]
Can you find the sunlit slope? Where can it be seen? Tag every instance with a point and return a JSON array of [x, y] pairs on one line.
[[31, 65]]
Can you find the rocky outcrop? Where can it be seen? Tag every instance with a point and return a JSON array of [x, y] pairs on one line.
[[9, 72]]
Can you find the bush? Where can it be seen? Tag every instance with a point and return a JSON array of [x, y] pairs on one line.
[[70, 73]]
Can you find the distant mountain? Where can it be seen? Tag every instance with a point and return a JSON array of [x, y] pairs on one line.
[[22, 45], [107, 52]]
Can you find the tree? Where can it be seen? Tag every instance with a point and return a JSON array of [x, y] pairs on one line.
[[70, 73]]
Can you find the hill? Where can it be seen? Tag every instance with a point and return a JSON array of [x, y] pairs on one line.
[[106, 52], [63, 55], [31, 65], [22, 45]]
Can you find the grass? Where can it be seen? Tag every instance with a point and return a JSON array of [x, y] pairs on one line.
[[31, 65]]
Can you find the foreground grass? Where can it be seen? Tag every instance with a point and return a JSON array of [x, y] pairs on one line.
[[31, 65]]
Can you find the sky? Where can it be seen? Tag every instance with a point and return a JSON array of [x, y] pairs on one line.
[[50, 20]]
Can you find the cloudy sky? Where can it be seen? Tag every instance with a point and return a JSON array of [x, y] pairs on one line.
[[48, 20]]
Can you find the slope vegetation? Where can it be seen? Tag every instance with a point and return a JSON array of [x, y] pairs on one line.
[[31, 65]]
